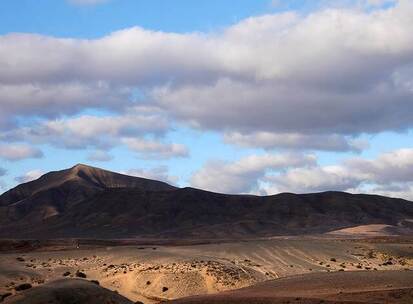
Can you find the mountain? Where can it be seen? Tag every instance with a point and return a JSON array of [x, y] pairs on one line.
[[89, 202], [56, 192], [79, 177]]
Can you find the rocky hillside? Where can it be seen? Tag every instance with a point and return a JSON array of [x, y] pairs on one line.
[[90, 202]]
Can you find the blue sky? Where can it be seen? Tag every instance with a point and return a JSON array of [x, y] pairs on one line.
[[63, 19], [253, 97]]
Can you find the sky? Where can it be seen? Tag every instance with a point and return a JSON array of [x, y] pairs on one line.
[[256, 97]]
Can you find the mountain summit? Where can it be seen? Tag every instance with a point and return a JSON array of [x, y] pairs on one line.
[[79, 181], [84, 201]]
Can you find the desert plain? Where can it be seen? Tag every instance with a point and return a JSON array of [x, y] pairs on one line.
[[308, 269]]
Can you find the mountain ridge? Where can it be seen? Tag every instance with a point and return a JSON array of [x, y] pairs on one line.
[[84, 201]]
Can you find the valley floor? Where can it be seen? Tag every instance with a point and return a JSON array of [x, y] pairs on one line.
[[280, 269]]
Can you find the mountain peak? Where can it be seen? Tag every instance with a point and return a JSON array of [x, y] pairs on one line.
[[81, 179], [80, 166]]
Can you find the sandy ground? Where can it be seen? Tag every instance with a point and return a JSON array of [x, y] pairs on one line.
[[154, 273], [337, 287]]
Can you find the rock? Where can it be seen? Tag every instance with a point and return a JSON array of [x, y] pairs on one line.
[[23, 286], [164, 289], [80, 274], [20, 259], [95, 282], [67, 273]]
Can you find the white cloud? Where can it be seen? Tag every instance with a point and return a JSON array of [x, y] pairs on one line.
[[100, 132], [158, 173], [379, 2], [15, 152], [58, 98], [334, 72], [390, 173], [100, 156], [296, 141], [315, 179], [295, 81], [29, 176], [154, 149], [242, 176], [103, 133]]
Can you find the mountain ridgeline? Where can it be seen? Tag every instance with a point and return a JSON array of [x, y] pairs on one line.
[[93, 203]]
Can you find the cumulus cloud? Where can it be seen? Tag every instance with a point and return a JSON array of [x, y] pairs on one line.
[[350, 67], [88, 130], [242, 176], [51, 100], [390, 173], [353, 76], [295, 141], [160, 173], [100, 156], [294, 81], [103, 133], [379, 2], [301, 180], [154, 149], [15, 152], [29, 176]]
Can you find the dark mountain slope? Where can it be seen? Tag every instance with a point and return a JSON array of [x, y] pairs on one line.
[[108, 205], [81, 176], [54, 192]]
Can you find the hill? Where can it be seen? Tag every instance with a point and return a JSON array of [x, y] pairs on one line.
[[89, 202]]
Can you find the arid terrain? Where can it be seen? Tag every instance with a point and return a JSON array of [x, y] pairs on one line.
[[86, 235], [273, 269]]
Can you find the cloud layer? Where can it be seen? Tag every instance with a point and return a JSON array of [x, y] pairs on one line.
[[243, 176], [390, 174], [353, 75], [158, 173], [286, 81], [19, 152]]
